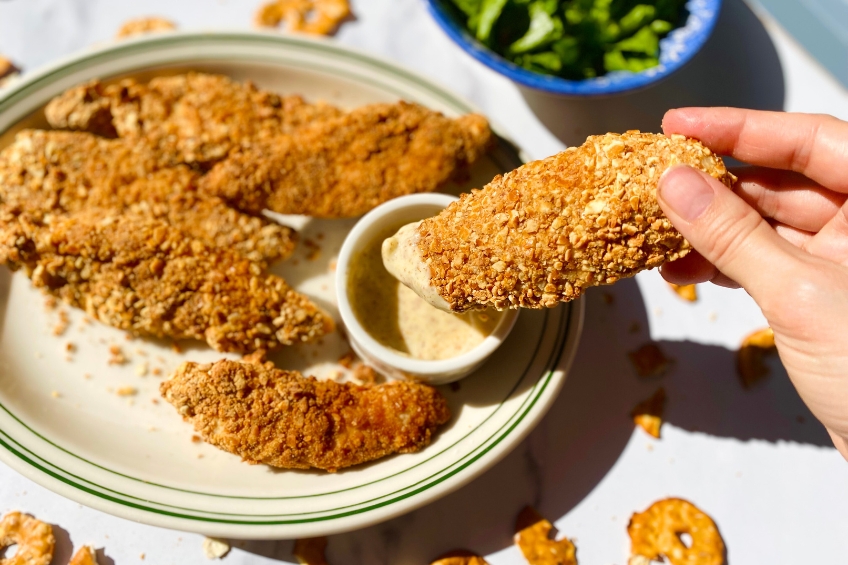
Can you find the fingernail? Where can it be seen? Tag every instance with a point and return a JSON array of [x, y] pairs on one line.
[[686, 192]]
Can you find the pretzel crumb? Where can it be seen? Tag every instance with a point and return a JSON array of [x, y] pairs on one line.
[[648, 413], [215, 548], [687, 292], [751, 357], [649, 361]]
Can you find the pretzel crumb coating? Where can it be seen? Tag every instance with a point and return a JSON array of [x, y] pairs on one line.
[[53, 172], [548, 230], [346, 166], [139, 274], [280, 418], [193, 118]]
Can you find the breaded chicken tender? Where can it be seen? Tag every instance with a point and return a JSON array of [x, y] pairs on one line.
[[52, 172], [548, 230], [280, 418], [194, 118], [139, 274], [345, 166]]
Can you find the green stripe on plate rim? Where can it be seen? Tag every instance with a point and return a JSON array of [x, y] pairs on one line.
[[555, 356]]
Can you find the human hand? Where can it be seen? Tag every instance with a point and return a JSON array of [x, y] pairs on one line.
[[781, 234]]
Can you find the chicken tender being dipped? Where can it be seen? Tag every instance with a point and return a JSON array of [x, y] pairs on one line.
[[346, 166], [280, 418], [45, 173], [548, 230], [139, 274], [193, 118]]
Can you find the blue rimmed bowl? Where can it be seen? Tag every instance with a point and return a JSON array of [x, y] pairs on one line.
[[676, 49]]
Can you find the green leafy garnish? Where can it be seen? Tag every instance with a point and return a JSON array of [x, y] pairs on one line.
[[573, 39], [490, 11], [543, 29]]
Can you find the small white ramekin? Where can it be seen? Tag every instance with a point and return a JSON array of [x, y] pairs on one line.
[[401, 211]]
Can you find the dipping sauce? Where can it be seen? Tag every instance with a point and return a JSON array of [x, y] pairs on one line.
[[398, 318]]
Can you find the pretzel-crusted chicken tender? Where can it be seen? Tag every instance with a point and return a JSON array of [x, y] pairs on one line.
[[280, 418], [193, 118], [345, 166], [51, 172], [548, 230], [139, 274]]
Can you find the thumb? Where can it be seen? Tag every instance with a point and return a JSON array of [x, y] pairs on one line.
[[724, 229]]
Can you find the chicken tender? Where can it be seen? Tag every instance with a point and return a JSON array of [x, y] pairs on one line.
[[280, 418], [139, 274], [50, 172], [346, 166], [548, 230], [194, 118]]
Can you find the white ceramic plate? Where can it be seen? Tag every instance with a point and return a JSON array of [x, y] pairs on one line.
[[63, 424]]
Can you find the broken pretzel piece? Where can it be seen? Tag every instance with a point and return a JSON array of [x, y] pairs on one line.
[[648, 413], [34, 539], [8, 71], [141, 26], [655, 533], [460, 557], [84, 556], [533, 538], [318, 17], [687, 292], [649, 361], [750, 359], [310, 551]]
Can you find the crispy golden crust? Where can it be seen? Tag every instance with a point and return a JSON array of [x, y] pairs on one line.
[[283, 419], [543, 233], [52, 172], [346, 166], [193, 118], [139, 274]]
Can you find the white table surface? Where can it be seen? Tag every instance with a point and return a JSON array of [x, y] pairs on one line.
[[756, 461]]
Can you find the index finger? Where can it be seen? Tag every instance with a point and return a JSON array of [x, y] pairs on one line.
[[812, 144]]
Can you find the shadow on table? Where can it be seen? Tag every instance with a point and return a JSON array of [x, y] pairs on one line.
[[738, 67], [582, 437]]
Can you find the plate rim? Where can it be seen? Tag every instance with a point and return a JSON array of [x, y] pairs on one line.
[[518, 429]]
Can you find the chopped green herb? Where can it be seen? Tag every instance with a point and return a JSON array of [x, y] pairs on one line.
[[490, 11], [573, 39], [543, 29], [645, 41]]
